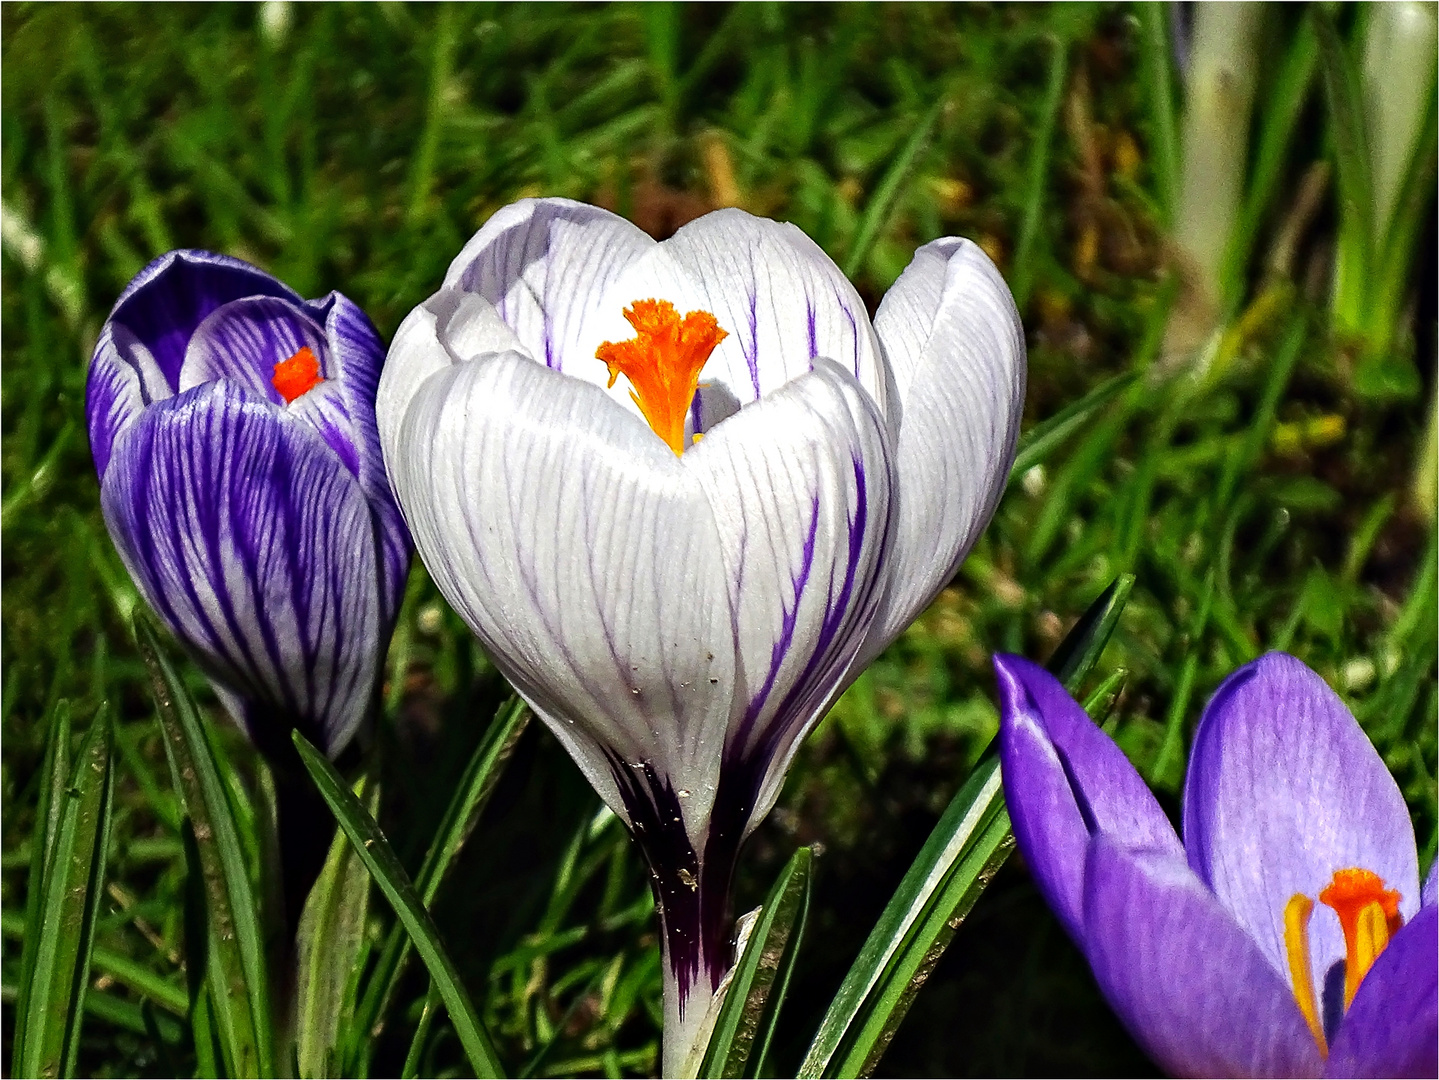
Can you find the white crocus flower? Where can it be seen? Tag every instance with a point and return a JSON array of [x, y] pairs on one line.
[[684, 491]]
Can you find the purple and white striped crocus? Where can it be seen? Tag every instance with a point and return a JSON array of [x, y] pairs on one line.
[[232, 424], [1288, 934], [681, 570]]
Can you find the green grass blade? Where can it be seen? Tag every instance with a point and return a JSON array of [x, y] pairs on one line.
[[327, 946], [468, 802], [750, 1008], [1036, 444], [421, 1037], [65, 931], [882, 202], [1022, 275], [1079, 651], [54, 773], [962, 854], [1164, 155], [239, 987], [1356, 192], [372, 847]]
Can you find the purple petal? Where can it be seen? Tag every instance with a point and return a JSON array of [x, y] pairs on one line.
[[167, 300], [1392, 1026], [1430, 888], [1186, 980], [243, 341], [255, 545], [359, 354], [1063, 780], [123, 379], [1284, 789]]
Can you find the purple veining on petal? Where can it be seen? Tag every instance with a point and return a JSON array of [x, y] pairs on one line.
[[853, 327], [697, 415], [809, 320], [751, 349], [786, 635], [172, 295]]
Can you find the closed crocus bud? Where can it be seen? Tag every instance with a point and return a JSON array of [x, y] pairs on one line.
[[683, 492], [233, 427]]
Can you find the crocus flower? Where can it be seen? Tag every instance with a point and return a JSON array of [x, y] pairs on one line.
[[232, 424], [684, 491], [1287, 935]]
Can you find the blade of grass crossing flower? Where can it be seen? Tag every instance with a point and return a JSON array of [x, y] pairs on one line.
[[757, 985], [958, 860], [54, 774], [71, 886], [372, 847], [471, 794], [1080, 650], [1356, 198], [885, 194], [327, 946], [239, 996]]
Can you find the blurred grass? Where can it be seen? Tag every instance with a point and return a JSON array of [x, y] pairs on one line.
[[357, 146]]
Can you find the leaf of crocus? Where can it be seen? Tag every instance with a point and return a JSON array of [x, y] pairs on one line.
[[1392, 1026], [963, 852], [1187, 980], [252, 539], [584, 554], [1080, 650], [471, 795], [952, 336], [1064, 779], [1283, 789], [757, 985], [53, 1000], [778, 296], [327, 947], [239, 987], [799, 487], [372, 847], [545, 264]]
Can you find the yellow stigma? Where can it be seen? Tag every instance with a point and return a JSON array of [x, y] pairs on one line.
[[1296, 944], [663, 363]]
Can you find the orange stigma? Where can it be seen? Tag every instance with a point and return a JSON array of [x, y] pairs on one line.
[[1369, 915], [663, 363], [298, 375]]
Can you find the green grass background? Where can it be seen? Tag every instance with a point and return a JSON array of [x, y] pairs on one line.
[[356, 147]]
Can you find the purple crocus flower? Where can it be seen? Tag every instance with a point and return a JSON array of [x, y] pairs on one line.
[[1287, 935], [233, 427]]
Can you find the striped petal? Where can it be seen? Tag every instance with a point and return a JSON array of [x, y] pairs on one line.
[[799, 485], [544, 264], [580, 551], [952, 337], [778, 296], [123, 379], [255, 544], [170, 297]]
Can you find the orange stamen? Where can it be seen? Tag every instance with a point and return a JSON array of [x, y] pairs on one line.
[[663, 363], [298, 375], [1369, 916]]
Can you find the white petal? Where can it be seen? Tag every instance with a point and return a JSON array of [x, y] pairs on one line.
[[952, 336], [778, 296], [800, 486], [584, 556], [545, 265], [448, 328]]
